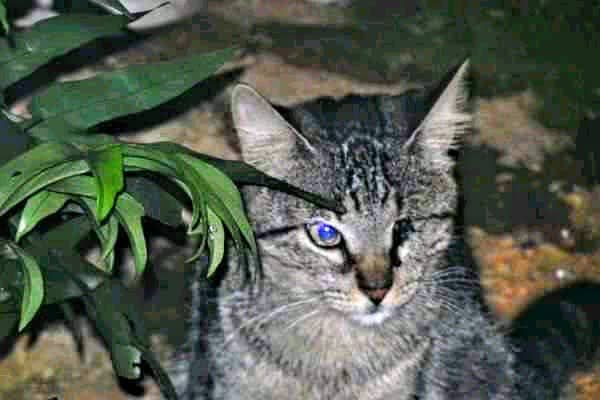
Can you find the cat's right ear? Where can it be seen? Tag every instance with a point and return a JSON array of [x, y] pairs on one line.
[[446, 121], [267, 141]]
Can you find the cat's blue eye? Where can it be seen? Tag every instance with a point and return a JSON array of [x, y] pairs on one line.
[[323, 234]]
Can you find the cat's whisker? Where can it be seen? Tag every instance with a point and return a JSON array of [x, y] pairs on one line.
[[302, 318], [263, 318]]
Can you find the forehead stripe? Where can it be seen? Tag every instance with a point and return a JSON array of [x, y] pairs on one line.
[[362, 161]]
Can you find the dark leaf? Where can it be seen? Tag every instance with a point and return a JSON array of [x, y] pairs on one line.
[[51, 38], [10, 295], [158, 203], [56, 253], [12, 139], [8, 319], [112, 309], [79, 105]]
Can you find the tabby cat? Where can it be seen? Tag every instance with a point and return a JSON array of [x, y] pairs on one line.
[[374, 303]]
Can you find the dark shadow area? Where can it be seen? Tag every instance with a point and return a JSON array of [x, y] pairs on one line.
[[559, 333], [133, 387], [587, 150], [47, 317], [539, 45], [507, 199], [18, 8], [503, 199]]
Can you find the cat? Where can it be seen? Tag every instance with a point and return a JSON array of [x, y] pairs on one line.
[[374, 303]]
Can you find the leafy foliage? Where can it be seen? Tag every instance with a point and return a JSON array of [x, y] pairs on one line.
[[57, 172], [3, 19]]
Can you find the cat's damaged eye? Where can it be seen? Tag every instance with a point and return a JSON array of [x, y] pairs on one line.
[[323, 234]]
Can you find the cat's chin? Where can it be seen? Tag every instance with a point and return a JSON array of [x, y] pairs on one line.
[[371, 318]]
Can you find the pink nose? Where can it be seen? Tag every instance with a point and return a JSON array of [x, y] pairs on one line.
[[376, 295]]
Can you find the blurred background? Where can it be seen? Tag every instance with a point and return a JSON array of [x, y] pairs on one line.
[[530, 170]]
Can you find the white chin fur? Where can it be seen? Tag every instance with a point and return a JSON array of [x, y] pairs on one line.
[[371, 319]]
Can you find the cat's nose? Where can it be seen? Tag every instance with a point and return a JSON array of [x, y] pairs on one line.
[[376, 295], [375, 286]]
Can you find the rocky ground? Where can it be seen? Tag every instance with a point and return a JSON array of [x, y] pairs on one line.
[[532, 213]]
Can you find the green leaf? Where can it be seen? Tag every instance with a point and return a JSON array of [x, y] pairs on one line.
[[126, 360], [38, 207], [58, 135], [33, 286], [151, 154], [107, 166], [129, 213], [76, 185], [220, 209], [147, 158], [3, 18], [77, 106], [107, 232], [216, 241], [110, 233], [41, 180], [197, 189], [38, 167], [51, 38], [223, 187], [196, 186]]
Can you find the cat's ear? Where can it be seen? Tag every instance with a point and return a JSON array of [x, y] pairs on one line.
[[267, 141], [446, 121]]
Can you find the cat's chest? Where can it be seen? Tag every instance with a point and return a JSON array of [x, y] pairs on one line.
[[258, 379]]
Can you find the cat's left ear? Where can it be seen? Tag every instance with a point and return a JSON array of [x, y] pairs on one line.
[[447, 120], [267, 140]]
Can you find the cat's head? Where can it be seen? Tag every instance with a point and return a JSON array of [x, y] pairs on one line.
[[386, 158]]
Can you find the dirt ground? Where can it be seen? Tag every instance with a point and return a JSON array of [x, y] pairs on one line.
[[532, 225]]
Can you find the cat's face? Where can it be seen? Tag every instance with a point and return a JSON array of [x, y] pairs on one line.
[[385, 158]]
